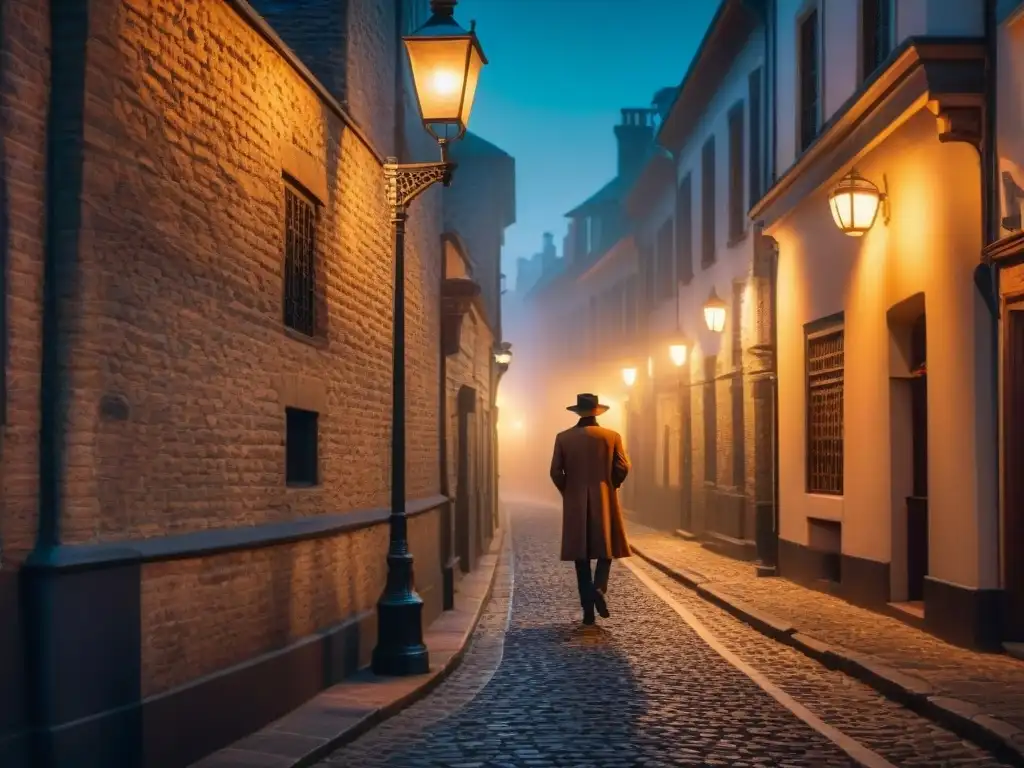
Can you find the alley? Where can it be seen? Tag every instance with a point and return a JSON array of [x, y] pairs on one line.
[[643, 688]]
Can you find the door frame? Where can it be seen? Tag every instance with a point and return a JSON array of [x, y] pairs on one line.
[[1012, 518]]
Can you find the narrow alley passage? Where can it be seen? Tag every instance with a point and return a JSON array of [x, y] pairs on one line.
[[642, 688]]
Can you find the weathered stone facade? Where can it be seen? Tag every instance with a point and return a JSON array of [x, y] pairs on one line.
[[146, 388]]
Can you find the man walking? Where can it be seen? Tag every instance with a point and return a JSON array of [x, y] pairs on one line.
[[588, 466]]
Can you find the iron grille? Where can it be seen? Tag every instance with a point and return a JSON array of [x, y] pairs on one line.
[[825, 413], [299, 263]]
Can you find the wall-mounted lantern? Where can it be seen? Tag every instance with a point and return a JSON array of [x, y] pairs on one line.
[[503, 288], [629, 376], [714, 313], [503, 355], [855, 203], [677, 354]]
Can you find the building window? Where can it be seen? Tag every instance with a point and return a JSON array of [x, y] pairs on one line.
[[684, 231], [299, 262], [301, 454], [630, 310], [810, 91], [754, 107], [666, 259], [737, 210], [825, 412], [875, 34], [710, 421], [647, 265], [707, 203]]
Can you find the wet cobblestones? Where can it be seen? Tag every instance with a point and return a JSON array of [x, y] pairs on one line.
[[640, 689]]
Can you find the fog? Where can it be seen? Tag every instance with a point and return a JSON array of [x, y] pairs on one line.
[[532, 399]]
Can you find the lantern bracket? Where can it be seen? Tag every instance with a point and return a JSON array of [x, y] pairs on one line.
[[407, 181], [883, 200]]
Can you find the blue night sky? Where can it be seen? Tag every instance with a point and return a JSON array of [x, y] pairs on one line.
[[559, 72]]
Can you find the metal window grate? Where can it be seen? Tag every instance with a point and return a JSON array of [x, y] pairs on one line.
[[299, 263], [825, 362]]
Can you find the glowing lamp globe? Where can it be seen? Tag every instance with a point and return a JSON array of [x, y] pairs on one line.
[[446, 61], [629, 376], [677, 353], [503, 356], [854, 203], [714, 313]]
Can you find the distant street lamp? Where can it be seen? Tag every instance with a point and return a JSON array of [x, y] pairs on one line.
[[503, 356], [855, 203], [677, 353], [629, 376], [714, 313], [446, 61]]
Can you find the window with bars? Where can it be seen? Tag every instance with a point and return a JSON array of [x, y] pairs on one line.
[[710, 420], [810, 91], [875, 34], [825, 366], [737, 210], [301, 447], [684, 231], [666, 257], [300, 262], [707, 203]]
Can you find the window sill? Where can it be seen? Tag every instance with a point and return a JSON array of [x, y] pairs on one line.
[[320, 342], [303, 486]]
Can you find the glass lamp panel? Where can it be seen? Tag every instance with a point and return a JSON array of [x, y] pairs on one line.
[[842, 213], [715, 318], [629, 376], [439, 74], [476, 63], [865, 207]]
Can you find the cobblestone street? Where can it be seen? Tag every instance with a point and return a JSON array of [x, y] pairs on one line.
[[643, 688]]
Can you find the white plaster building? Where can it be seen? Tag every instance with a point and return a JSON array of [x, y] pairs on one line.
[[887, 427]]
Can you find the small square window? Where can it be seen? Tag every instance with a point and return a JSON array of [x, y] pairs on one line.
[[301, 447]]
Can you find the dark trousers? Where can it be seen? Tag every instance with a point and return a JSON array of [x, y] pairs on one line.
[[587, 583]]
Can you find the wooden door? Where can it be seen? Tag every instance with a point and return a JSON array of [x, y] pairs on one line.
[[1013, 442]]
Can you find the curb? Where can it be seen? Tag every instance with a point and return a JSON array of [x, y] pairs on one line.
[[967, 720], [389, 710], [353, 722]]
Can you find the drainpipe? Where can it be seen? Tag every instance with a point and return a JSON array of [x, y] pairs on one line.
[[990, 233]]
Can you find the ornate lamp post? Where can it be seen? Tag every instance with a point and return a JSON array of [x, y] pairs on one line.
[[446, 61]]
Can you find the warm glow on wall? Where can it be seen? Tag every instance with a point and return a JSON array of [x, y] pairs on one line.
[[714, 313], [650, 367], [677, 352], [855, 203], [629, 376]]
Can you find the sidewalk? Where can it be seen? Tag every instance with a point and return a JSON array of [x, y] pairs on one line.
[[346, 711], [978, 695]]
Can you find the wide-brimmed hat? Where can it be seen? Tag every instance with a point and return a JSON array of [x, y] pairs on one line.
[[587, 404]]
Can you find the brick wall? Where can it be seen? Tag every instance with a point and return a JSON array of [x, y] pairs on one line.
[[192, 120], [24, 91]]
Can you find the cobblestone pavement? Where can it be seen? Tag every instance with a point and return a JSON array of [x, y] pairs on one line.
[[992, 682], [641, 689]]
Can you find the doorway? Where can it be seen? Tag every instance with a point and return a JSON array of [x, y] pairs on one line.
[[465, 495], [917, 502], [1013, 470]]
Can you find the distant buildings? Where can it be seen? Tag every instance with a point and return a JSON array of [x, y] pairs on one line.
[[851, 422]]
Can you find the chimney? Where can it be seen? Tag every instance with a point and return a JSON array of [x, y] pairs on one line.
[[663, 101], [316, 30], [635, 135], [549, 245]]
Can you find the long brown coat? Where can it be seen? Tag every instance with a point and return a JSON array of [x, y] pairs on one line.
[[588, 466]]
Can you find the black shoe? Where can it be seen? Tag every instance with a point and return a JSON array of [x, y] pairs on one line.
[[600, 604], [588, 616]]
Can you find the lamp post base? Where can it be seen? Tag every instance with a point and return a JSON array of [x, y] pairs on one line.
[[400, 649]]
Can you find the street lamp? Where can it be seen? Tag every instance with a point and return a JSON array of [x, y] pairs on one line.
[[677, 353], [446, 61], [629, 376], [714, 313], [855, 203]]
